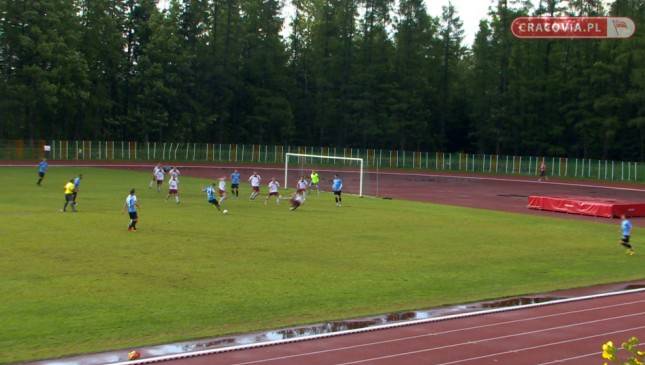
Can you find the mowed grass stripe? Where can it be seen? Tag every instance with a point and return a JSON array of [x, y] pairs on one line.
[[75, 283]]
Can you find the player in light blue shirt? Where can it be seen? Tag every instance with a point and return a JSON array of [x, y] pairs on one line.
[[235, 183], [77, 184], [211, 195], [132, 205], [337, 188], [626, 230], [42, 170]]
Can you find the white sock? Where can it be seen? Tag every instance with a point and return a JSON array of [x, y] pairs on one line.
[[177, 198]]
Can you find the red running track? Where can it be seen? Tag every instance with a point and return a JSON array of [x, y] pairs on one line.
[[565, 333]]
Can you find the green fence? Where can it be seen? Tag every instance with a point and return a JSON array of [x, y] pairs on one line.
[[274, 154]]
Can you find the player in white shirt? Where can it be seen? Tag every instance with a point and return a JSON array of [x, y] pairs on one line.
[[301, 186], [297, 200], [274, 190], [255, 181], [173, 188], [154, 175], [174, 172], [221, 189], [159, 176]]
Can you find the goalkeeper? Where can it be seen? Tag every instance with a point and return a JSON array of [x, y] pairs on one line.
[[315, 182]]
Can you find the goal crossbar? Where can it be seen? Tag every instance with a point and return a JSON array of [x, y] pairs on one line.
[[289, 154]]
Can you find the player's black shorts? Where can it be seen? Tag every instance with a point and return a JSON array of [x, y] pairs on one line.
[[235, 186], [214, 202], [69, 197], [41, 174], [133, 215], [542, 173], [338, 193], [74, 195], [625, 239]]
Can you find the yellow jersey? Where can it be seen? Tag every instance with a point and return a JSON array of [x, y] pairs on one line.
[[69, 188]]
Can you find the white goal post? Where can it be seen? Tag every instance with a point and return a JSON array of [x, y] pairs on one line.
[[322, 157]]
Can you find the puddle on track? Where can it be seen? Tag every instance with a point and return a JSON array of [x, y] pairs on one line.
[[291, 333]]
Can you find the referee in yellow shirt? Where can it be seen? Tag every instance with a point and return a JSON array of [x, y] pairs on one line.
[[69, 196]]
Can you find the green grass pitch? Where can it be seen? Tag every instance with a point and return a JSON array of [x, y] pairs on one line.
[[74, 283]]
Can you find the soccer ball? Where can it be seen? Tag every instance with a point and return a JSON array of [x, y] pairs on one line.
[[225, 211], [133, 355]]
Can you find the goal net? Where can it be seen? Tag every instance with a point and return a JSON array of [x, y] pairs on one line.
[[350, 169]]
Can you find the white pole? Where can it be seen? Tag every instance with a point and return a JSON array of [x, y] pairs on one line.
[[286, 169], [576, 170], [530, 164], [360, 188], [622, 170], [606, 169]]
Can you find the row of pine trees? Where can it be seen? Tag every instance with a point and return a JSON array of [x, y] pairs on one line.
[[359, 73]]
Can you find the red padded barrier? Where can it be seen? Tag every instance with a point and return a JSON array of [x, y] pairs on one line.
[[596, 207]]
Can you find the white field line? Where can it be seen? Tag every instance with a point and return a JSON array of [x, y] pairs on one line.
[[482, 178], [373, 328]]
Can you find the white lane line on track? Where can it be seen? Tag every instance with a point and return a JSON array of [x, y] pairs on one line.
[[545, 345], [560, 361], [436, 333], [597, 353], [505, 337], [157, 359], [501, 179]]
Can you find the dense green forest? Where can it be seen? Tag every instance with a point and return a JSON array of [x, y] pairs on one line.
[[361, 73]]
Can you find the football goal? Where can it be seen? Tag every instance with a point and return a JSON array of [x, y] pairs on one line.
[[350, 169]]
